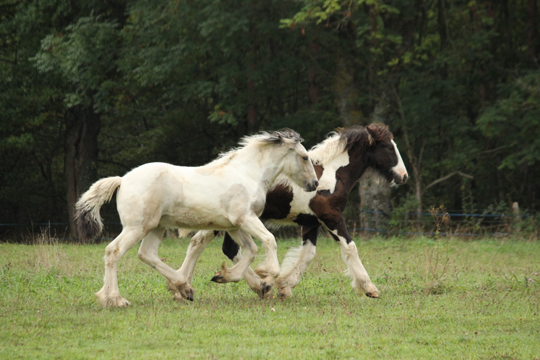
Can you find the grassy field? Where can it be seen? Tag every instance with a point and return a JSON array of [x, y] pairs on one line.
[[439, 299]]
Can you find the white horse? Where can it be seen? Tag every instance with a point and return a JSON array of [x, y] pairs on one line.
[[226, 194]]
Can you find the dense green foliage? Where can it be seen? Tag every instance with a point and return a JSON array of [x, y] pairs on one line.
[[92, 89], [458, 300]]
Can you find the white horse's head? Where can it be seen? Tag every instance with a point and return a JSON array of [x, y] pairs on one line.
[[296, 164]]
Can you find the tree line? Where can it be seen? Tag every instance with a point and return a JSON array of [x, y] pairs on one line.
[[92, 89]]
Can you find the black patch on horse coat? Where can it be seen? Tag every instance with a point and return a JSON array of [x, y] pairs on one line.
[[310, 234], [278, 203], [307, 220], [230, 248]]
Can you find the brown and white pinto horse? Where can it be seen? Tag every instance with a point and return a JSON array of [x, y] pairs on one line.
[[339, 161]]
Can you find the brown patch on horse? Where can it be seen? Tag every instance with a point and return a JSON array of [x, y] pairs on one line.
[[379, 132], [278, 202], [329, 207], [364, 136], [319, 170]]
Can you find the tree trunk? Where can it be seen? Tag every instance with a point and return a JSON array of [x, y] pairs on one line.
[[312, 76], [346, 93], [374, 201], [374, 192], [442, 23], [80, 165], [532, 35]]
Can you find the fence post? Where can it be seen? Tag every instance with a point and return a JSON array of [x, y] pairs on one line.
[[517, 217]]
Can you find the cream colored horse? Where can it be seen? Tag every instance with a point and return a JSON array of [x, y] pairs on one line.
[[226, 194]]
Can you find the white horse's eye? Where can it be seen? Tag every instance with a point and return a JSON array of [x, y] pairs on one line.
[[305, 158]]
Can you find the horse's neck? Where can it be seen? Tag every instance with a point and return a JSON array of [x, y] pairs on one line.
[[348, 167], [264, 167], [357, 166]]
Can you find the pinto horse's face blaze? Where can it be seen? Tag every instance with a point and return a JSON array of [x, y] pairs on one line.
[[387, 160]]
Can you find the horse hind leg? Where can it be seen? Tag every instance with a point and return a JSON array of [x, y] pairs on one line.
[[109, 295], [295, 263], [196, 247], [148, 253]]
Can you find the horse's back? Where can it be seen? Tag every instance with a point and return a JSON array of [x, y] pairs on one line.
[[179, 196], [149, 187]]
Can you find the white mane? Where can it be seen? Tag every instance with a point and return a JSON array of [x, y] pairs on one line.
[[320, 154], [325, 151], [258, 141]]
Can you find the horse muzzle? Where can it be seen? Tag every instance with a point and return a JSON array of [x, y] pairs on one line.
[[312, 186], [399, 179]]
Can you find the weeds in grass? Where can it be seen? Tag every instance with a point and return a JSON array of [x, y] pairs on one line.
[[47, 253], [437, 257]]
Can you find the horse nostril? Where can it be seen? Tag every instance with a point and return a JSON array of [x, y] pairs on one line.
[[315, 184], [405, 177]]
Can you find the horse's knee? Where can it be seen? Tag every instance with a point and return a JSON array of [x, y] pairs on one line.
[[111, 250], [270, 242], [143, 256], [251, 251]]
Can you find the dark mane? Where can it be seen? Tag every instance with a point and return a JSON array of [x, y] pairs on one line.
[[275, 137], [364, 136]]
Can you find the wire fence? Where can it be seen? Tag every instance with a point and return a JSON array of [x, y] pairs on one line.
[[438, 222]]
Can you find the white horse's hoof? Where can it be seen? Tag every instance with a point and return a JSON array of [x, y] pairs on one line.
[[284, 292], [112, 301], [182, 297], [371, 291], [266, 291], [181, 292]]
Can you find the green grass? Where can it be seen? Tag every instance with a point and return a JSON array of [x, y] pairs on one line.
[[439, 299]]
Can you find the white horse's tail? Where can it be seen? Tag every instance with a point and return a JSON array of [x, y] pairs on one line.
[[87, 218]]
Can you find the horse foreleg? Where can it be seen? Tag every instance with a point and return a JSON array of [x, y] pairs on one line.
[[355, 269], [296, 262], [232, 250], [268, 270], [109, 295], [236, 272], [148, 253]]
